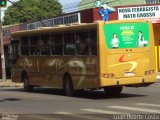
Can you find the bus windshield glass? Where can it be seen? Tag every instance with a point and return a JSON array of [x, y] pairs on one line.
[[126, 35]]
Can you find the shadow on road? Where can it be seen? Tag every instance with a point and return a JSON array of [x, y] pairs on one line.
[[9, 99], [86, 94]]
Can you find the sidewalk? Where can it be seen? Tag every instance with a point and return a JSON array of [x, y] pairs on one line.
[[9, 83]]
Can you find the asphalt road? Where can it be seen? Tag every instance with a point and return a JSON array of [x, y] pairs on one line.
[[51, 104]]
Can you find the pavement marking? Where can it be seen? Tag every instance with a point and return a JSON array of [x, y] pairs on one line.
[[135, 109], [63, 113], [102, 111], [147, 104]]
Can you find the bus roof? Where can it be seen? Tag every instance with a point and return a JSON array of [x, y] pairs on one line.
[[70, 27], [57, 28]]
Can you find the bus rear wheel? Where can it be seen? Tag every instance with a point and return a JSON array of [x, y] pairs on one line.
[[68, 86], [26, 85], [113, 90]]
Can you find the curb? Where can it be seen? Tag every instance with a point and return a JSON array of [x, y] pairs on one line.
[[9, 83]]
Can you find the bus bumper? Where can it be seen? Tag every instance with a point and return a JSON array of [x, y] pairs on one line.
[[129, 81]]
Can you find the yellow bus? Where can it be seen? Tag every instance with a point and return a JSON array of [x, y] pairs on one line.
[[107, 55]]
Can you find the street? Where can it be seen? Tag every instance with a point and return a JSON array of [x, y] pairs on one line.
[[44, 103]]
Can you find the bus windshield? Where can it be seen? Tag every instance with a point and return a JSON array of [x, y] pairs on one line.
[[127, 35]]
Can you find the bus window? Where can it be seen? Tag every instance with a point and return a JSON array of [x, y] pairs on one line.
[[45, 47], [34, 45], [13, 51], [25, 41], [56, 44], [82, 40], [69, 44], [93, 42], [24, 45], [24, 50]]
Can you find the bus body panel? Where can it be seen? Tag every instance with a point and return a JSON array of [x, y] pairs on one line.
[[50, 71], [130, 81]]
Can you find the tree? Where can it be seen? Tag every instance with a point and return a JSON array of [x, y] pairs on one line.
[[31, 10]]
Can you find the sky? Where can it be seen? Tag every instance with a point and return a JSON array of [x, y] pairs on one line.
[[65, 4], [67, 1]]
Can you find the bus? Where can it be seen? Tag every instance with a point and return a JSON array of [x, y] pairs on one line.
[[109, 55]]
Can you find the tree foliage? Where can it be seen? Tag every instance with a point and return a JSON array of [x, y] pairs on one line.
[[31, 10]]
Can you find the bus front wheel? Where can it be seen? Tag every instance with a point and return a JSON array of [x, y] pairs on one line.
[[113, 90], [68, 86], [27, 86]]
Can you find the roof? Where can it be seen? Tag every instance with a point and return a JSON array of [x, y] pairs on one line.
[[57, 28], [71, 27]]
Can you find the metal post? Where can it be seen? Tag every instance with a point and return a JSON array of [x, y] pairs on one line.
[[2, 50]]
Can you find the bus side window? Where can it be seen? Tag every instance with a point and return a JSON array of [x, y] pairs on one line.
[[56, 44], [45, 47], [69, 43], [24, 45], [34, 45], [24, 50], [13, 51], [82, 41], [93, 42]]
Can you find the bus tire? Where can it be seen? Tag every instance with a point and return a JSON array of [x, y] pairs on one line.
[[68, 86], [26, 85], [112, 91]]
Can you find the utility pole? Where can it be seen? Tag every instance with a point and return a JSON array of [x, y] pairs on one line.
[[2, 49], [3, 3]]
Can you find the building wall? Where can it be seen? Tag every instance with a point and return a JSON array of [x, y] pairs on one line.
[[9, 29]]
